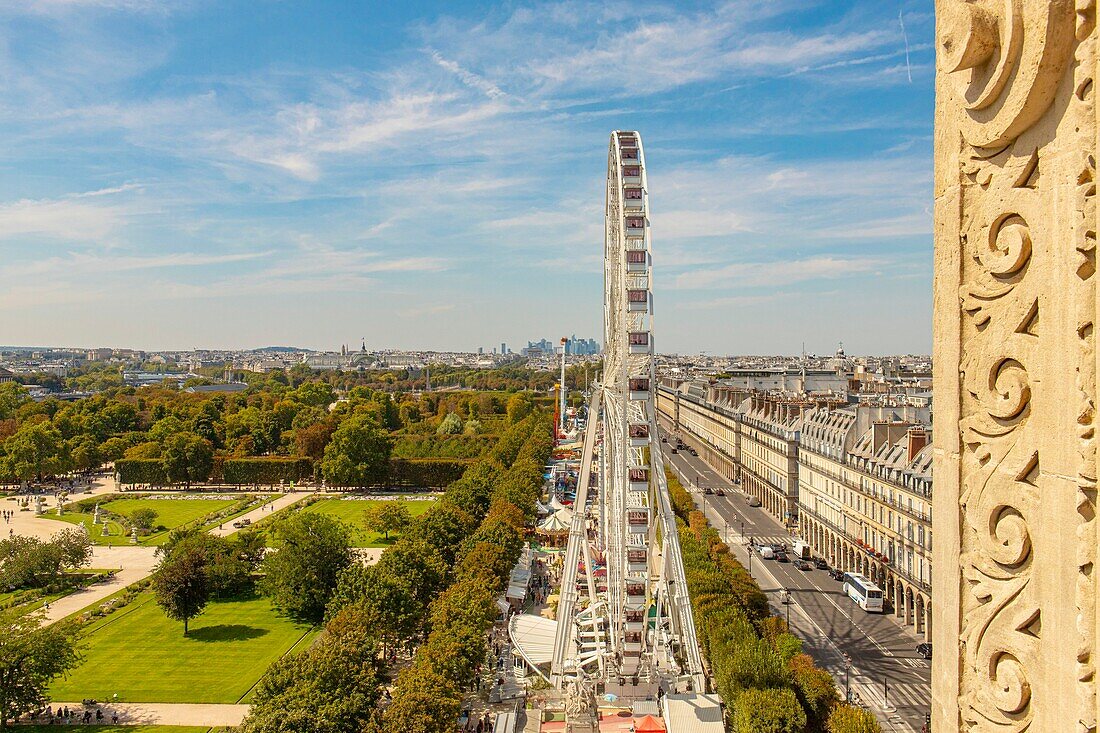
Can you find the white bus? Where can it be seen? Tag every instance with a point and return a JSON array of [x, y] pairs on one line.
[[864, 592]]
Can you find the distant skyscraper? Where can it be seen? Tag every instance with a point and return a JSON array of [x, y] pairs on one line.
[[503, 348]]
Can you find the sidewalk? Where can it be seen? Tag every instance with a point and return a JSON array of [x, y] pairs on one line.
[[288, 499], [158, 713], [135, 562]]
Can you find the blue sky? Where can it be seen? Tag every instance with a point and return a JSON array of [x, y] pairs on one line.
[[202, 173]]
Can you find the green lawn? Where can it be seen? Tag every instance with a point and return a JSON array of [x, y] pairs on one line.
[[350, 512], [171, 513], [141, 655]]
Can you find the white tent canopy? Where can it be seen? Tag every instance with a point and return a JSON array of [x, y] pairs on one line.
[[533, 637], [554, 523]]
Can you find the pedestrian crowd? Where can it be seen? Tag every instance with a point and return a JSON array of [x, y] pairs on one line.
[[64, 715]]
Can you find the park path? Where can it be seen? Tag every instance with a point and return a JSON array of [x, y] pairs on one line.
[[162, 713], [133, 562], [288, 499]]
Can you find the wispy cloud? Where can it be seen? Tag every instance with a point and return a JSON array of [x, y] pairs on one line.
[[780, 272]]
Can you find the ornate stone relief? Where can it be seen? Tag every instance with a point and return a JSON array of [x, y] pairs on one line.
[[1016, 473]]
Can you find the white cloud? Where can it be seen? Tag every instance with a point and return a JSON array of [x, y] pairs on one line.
[[71, 218]]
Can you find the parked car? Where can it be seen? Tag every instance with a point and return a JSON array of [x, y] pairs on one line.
[[820, 564], [925, 649], [802, 564], [242, 523], [708, 490], [782, 557], [753, 501]]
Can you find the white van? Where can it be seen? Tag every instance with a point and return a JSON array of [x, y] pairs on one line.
[[767, 552], [802, 550], [753, 501]]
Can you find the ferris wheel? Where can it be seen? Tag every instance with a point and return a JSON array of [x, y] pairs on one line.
[[636, 624]]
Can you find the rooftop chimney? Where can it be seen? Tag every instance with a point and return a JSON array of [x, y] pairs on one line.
[[918, 438]]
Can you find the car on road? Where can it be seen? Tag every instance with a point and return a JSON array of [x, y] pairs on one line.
[[782, 557], [708, 491], [820, 564], [802, 564], [674, 450], [664, 439], [242, 523], [836, 574], [925, 649], [694, 452], [720, 491], [753, 500]]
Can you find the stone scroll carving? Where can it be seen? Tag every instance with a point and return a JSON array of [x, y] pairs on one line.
[[1016, 366]]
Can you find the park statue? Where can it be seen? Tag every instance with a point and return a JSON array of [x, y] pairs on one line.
[[95, 515], [580, 707], [133, 535]]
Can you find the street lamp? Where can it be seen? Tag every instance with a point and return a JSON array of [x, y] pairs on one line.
[[847, 687], [787, 603]]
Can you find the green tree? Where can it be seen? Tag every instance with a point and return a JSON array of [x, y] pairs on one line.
[[849, 719], [302, 575], [358, 454], [332, 687], [35, 451], [444, 527], [12, 397], [85, 453], [424, 701], [387, 516], [816, 690], [28, 562], [771, 710], [181, 585], [143, 518], [520, 405], [187, 457], [451, 425], [229, 561], [31, 656], [74, 547], [315, 394]]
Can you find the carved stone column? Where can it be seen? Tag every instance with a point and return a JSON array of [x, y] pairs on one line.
[[1015, 367]]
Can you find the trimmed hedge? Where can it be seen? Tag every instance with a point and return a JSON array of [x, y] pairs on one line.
[[432, 473], [141, 471], [438, 446], [266, 471]]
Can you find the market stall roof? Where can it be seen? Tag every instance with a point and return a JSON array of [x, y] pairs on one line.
[[693, 712]]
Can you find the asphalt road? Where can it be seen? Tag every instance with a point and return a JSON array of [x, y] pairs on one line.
[[886, 672]]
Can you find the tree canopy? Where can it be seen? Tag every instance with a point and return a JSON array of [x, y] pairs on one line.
[[302, 575], [31, 656]]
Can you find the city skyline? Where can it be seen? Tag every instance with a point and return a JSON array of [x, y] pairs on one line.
[[196, 175]]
